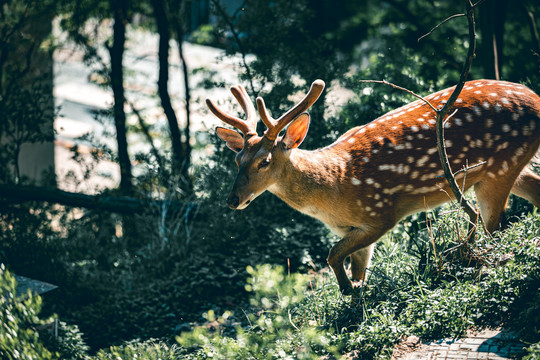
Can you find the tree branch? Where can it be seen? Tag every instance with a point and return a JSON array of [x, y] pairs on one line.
[[471, 212], [13, 194]]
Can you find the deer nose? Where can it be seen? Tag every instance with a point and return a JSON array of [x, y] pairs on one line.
[[233, 201]]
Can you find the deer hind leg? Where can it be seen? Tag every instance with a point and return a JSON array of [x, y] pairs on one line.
[[527, 186], [492, 198], [360, 262], [353, 241]]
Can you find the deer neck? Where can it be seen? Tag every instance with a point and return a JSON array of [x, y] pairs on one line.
[[309, 179]]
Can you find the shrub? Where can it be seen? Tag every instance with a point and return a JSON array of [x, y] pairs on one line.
[[19, 338]]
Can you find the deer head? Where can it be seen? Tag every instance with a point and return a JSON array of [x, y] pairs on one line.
[[261, 160]]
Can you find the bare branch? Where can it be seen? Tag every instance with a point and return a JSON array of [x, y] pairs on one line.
[[473, 215], [399, 88], [439, 25]]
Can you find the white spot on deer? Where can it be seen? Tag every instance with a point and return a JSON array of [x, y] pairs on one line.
[[515, 116], [419, 136], [469, 117], [492, 94], [374, 151], [509, 92], [373, 213], [462, 155], [437, 97], [432, 121], [526, 131], [419, 119], [400, 146], [489, 123], [497, 137], [456, 161], [491, 175], [477, 110], [446, 93], [368, 208], [370, 181], [426, 114], [432, 150], [532, 124], [355, 181], [377, 185], [465, 149], [409, 137], [433, 165], [366, 159], [501, 172], [514, 133], [426, 177], [359, 202], [479, 143], [498, 107], [351, 140], [362, 130], [414, 128], [505, 128], [505, 101], [504, 166], [458, 121], [410, 159], [467, 137], [477, 92], [425, 126], [422, 161], [414, 174], [371, 126], [380, 138], [490, 161], [377, 196], [379, 204], [459, 100], [448, 143], [504, 145]]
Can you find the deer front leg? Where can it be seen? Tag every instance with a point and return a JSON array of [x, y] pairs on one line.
[[360, 260], [355, 240]]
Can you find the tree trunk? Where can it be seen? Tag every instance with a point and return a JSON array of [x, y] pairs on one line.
[[180, 159], [116, 52], [178, 27], [490, 49]]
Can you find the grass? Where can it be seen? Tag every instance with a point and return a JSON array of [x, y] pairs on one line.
[[429, 286], [423, 282]]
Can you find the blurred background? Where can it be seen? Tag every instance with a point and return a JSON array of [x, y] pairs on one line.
[[112, 181]]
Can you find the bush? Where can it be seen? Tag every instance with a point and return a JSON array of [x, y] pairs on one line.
[[19, 338], [294, 318]]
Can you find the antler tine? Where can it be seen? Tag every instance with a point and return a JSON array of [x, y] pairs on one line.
[[248, 127], [275, 126], [243, 99]]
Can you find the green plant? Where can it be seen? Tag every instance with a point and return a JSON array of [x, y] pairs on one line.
[[143, 350], [19, 338]]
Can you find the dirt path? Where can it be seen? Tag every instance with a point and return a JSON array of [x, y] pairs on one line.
[[485, 345]]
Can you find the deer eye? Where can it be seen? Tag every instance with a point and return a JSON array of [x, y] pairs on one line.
[[264, 163]]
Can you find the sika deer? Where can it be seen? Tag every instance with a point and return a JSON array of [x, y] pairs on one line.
[[376, 174]]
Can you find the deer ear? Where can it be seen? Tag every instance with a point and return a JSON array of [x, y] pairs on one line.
[[296, 132], [234, 140]]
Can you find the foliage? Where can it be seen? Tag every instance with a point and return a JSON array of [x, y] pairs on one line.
[[68, 343], [271, 333], [19, 320], [398, 301], [144, 350]]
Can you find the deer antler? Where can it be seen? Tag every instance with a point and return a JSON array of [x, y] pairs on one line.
[[275, 126], [248, 127]]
